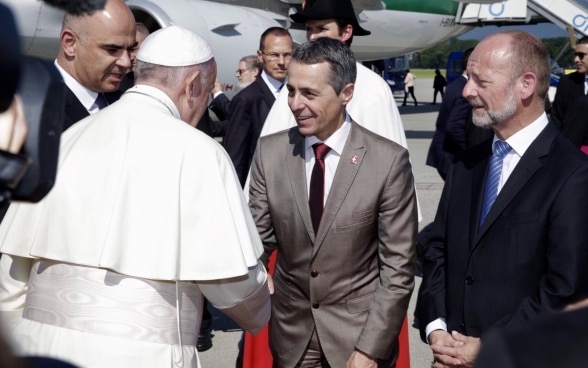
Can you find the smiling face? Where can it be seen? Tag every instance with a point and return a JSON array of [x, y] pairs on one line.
[[490, 88], [319, 111], [95, 49]]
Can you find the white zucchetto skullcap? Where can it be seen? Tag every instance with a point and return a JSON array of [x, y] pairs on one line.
[[174, 46]]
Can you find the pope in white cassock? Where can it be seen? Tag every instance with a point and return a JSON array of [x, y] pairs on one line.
[[146, 218]]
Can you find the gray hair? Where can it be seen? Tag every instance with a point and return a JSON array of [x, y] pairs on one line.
[[342, 68], [251, 62]]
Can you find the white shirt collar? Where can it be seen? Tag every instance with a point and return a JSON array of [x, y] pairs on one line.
[[521, 140], [336, 141], [273, 84], [84, 95]]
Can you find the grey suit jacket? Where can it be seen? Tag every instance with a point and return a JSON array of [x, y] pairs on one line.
[[353, 279]]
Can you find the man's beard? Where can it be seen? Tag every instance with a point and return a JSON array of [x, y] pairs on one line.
[[487, 119]]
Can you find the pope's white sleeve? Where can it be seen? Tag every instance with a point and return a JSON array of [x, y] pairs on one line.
[[245, 299]]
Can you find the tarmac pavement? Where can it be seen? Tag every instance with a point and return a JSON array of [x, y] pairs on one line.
[[419, 125]]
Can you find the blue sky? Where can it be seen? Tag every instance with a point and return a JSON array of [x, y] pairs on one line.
[[543, 30]]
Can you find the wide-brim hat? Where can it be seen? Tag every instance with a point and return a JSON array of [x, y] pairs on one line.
[[327, 9]]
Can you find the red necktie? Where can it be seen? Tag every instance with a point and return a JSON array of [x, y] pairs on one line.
[[317, 184]]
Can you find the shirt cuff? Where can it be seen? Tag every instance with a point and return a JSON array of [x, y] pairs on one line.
[[438, 324]]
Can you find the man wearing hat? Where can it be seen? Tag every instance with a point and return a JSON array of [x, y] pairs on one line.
[[111, 267], [373, 105]]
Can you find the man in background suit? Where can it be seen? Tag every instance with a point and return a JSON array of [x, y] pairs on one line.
[[345, 273], [498, 264], [450, 136], [247, 71], [250, 107], [571, 86], [569, 106], [93, 57]]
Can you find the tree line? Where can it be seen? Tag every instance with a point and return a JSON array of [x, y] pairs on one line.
[[436, 57]]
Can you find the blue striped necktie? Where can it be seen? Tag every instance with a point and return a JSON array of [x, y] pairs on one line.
[[501, 148]]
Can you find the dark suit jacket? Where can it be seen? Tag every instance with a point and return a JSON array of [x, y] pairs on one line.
[[474, 134], [449, 137], [247, 114], [559, 340], [575, 122], [354, 277], [75, 111], [528, 259], [570, 87], [220, 105]]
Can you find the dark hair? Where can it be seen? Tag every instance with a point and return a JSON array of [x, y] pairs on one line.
[[342, 23], [342, 68]]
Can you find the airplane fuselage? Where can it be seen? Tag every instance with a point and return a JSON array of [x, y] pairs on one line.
[[233, 27]]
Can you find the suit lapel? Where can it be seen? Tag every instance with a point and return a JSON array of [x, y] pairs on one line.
[[297, 172], [477, 191], [74, 111], [267, 94], [349, 164], [525, 169]]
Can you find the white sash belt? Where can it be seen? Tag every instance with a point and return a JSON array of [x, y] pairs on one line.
[[103, 302]]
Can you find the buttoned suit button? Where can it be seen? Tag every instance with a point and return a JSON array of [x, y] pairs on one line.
[[470, 280], [314, 273], [315, 305]]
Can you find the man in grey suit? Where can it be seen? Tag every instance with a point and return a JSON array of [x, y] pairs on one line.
[[344, 272]]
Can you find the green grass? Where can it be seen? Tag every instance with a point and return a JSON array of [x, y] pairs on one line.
[[424, 73]]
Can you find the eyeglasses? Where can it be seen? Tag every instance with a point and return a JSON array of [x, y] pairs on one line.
[[580, 55], [241, 71], [273, 56]]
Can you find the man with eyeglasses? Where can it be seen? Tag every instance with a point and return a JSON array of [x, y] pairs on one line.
[[246, 73], [249, 107], [93, 58], [249, 69], [569, 110]]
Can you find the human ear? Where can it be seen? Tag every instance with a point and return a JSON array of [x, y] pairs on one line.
[[347, 93], [68, 41]]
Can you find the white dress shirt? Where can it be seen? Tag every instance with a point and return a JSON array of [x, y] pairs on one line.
[[86, 97], [272, 83], [336, 142]]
